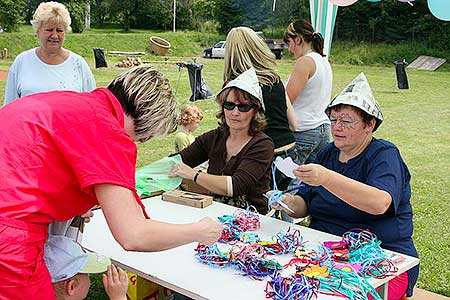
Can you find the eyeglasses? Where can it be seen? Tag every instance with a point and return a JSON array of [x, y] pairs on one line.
[[346, 122], [242, 107]]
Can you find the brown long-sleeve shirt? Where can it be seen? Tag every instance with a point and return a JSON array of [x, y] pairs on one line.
[[249, 169]]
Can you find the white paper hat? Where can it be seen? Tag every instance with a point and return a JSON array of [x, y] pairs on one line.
[[65, 258], [248, 82], [359, 94]]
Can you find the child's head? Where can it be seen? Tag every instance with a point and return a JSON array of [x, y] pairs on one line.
[[69, 266], [190, 116]]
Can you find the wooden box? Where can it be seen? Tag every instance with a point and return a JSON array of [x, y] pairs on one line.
[[190, 186], [187, 198]]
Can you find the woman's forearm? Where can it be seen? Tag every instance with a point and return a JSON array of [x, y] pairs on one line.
[[136, 233], [217, 184], [357, 194]]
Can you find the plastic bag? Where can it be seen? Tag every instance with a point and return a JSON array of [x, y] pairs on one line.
[[155, 176], [100, 59]]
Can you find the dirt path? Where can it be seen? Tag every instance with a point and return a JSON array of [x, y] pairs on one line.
[[3, 75]]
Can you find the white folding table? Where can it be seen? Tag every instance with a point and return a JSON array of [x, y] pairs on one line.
[[179, 270]]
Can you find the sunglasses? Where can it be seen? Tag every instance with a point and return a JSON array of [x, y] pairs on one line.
[[241, 107]]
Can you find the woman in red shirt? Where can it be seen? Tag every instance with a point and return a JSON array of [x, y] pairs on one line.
[[64, 152]]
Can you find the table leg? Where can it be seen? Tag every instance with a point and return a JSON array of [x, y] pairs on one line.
[[383, 291]]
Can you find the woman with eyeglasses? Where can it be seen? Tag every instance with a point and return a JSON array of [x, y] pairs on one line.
[[239, 153], [309, 88], [359, 181]]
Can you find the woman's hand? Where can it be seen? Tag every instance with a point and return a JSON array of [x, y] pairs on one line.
[[287, 199], [182, 170], [115, 283], [312, 174], [209, 230], [87, 216], [294, 206]]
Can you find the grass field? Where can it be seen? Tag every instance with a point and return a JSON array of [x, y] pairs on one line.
[[416, 120]]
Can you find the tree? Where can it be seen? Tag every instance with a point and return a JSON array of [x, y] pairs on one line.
[[75, 8], [259, 14], [390, 21], [229, 14], [203, 14], [286, 11], [77, 14], [154, 14], [124, 10], [11, 14], [30, 7]]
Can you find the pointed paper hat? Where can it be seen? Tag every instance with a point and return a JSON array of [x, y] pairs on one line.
[[248, 82], [65, 258], [359, 94]]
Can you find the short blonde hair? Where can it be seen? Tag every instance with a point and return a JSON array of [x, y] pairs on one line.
[[244, 49], [51, 12], [60, 286], [146, 96], [190, 113]]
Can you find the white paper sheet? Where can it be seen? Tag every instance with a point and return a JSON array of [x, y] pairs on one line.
[[286, 166]]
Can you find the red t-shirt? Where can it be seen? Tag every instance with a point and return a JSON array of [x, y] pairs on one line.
[[55, 146]]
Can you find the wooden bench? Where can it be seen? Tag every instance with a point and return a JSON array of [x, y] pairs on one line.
[[420, 294]]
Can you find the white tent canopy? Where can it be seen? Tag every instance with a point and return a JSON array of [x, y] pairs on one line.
[[323, 18]]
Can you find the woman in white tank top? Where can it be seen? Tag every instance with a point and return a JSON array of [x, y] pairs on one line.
[[309, 88]]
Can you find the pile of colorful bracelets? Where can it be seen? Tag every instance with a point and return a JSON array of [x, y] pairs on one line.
[[240, 222], [338, 268]]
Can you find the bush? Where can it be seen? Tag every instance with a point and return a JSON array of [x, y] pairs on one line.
[[10, 14], [362, 53], [208, 26]]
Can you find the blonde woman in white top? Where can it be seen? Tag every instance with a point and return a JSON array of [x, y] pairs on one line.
[[309, 88], [49, 67]]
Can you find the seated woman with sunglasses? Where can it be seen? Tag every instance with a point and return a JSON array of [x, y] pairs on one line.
[[244, 50], [359, 181], [239, 153]]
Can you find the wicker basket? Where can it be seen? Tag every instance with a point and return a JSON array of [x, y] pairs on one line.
[[159, 46]]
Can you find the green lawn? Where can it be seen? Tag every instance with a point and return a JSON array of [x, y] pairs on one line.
[[416, 120]]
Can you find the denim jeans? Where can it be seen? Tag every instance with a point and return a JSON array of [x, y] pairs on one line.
[[307, 144], [310, 142]]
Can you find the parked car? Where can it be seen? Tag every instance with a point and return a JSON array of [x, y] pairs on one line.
[[218, 51], [275, 45]]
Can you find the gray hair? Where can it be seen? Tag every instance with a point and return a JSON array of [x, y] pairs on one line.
[[146, 95], [245, 49], [51, 12]]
